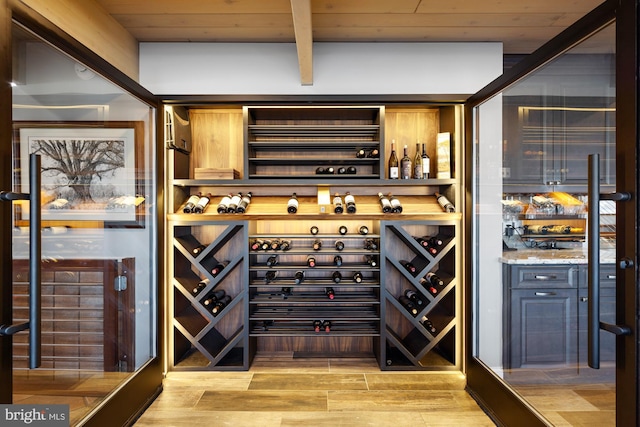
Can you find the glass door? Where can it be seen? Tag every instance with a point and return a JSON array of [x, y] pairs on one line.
[[97, 298], [547, 270]]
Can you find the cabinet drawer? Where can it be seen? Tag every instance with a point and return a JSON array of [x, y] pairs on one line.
[[544, 276], [607, 276]]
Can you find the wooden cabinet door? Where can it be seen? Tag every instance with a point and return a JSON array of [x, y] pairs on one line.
[[543, 327]]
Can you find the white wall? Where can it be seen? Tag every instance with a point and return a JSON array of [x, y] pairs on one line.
[[338, 68]]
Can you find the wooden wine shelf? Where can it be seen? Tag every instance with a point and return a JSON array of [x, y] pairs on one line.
[[368, 208]]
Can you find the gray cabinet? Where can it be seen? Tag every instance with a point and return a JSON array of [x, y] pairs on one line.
[[546, 315], [542, 316]]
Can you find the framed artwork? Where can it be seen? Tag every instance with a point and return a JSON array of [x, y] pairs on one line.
[[89, 170]]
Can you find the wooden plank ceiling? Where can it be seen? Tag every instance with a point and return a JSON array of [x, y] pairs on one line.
[[522, 26]]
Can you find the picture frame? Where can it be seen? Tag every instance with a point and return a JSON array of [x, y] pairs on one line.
[[91, 171]]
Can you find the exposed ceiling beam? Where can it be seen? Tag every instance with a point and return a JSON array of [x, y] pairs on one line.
[[301, 10]]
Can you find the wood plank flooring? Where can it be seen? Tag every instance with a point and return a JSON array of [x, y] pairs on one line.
[[279, 391]]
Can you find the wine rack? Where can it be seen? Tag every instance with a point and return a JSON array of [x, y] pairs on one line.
[[328, 137], [411, 341], [287, 306], [203, 339], [277, 150]]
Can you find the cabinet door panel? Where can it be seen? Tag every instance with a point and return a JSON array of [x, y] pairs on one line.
[[544, 327]]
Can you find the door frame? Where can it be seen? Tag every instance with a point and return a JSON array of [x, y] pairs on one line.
[[502, 403], [131, 397]]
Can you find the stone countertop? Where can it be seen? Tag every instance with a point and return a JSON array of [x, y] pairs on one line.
[[554, 256]]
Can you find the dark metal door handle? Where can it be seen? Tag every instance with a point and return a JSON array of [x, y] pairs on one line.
[[35, 255], [593, 256]]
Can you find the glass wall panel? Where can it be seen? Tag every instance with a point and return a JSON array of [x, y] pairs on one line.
[[97, 148], [532, 142]]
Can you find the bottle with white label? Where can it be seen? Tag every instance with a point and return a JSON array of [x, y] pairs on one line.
[[425, 164], [393, 162]]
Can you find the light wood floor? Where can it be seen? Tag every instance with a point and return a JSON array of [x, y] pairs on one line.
[[280, 391]]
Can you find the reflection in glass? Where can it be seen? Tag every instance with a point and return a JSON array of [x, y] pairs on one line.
[[99, 233], [530, 185]]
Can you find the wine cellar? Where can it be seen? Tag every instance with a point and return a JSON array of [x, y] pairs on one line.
[[304, 244]]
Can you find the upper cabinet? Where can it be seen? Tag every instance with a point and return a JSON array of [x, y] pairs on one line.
[[550, 144]]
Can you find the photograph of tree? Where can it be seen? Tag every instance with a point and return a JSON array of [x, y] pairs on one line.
[[87, 173]]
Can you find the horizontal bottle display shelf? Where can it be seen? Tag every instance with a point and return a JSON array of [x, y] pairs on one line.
[[307, 328], [316, 179], [315, 131]]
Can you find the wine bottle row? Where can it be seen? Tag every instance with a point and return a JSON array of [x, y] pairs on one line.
[[405, 168], [311, 262], [300, 276], [215, 301], [238, 203], [330, 170], [285, 245]]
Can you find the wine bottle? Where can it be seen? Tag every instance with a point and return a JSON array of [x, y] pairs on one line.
[[428, 286], [200, 286], [436, 241], [405, 165], [374, 153], [191, 203], [244, 203], [422, 241], [434, 279], [337, 260], [396, 206], [202, 204], [311, 261], [275, 244], [424, 321], [350, 201], [342, 170], [317, 245], [393, 162], [361, 153], [317, 325], [417, 164], [329, 293], [219, 267], [408, 305], [342, 229], [371, 261], [370, 244], [285, 245], [357, 277], [286, 291], [213, 296], [339, 245], [266, 244], [313, 230], [292, 204], [426, 166], [408, 266], [336, 276], [220, 305], [224, 204], [330, 170], [446, 205], [198, 249], [320, 171], [414, 297], [363, 230], [270, 275], [233, 204], [272, 260], [298, 277], [384, 203], [326, 325], [337, 204], [351, 170], [256, 244]]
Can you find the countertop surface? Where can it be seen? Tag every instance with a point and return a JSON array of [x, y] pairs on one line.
[[554, 256]]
